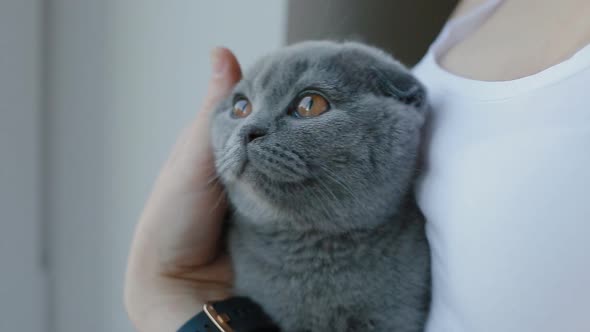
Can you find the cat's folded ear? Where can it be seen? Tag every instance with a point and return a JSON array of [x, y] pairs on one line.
[[401, 85]]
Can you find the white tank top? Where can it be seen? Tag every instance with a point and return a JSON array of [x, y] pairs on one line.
[[506, 194]]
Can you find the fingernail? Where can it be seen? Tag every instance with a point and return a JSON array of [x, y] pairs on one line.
[[218, 62]]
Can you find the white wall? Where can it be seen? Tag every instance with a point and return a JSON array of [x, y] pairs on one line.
[[124, 78], [76, 153], [22, 291]]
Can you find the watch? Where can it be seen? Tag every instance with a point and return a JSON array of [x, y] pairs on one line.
[[236, 314]]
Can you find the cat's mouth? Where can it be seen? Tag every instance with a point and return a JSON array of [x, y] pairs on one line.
[[262, 165], [270, 163]]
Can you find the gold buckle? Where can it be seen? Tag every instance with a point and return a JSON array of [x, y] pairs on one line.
[[219, 319]]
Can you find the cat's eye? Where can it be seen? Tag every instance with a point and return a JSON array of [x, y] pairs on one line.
[[242, 108], [310, 105]]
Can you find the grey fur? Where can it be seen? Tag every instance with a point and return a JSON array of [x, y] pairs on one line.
[[324, 231]]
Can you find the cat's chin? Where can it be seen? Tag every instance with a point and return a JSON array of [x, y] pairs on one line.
[[264, 178], [254, 201]]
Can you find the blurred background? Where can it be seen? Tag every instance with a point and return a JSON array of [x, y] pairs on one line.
[[92, 96]]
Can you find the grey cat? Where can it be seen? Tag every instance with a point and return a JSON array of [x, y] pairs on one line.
[[317, 148]]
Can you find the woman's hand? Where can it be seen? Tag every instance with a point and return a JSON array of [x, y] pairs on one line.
[[176, 262]]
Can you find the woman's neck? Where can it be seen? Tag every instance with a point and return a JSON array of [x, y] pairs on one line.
[[521, 38]]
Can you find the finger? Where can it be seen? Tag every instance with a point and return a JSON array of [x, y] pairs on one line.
[[182, 220], [225, 74], [192, 153]]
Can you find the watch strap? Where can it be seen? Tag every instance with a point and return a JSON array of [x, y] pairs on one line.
[[236, 314]]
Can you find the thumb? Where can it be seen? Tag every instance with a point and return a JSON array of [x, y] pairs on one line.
[[225, 74]]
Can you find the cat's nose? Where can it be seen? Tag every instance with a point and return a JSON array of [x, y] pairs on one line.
[[253, 133]]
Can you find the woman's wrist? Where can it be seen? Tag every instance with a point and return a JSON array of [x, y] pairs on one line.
[[167, 304], [239, 314], [157, 300]]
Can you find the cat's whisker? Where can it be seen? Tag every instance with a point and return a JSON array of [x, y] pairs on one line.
[[228, 155], [213, 181], [224, 164], [336, 201], [321, 183], [226, 160], [222, 195], [212, 177], [320, 202], [319, 197], [335, 179]]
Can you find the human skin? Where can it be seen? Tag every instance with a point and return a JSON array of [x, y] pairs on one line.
[[521, 38], [176, 262]]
